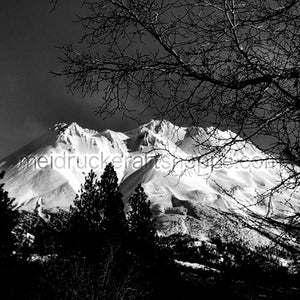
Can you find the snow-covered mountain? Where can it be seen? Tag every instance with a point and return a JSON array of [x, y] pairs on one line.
[[158, 154]]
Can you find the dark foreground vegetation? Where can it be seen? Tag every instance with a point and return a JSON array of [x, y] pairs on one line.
[[95, 251]]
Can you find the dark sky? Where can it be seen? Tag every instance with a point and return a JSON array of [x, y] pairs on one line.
[[31, 99]]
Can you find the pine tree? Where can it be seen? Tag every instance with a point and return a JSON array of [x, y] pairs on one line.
[[8, 220], [139, 216], [114, 222], [87, 212]]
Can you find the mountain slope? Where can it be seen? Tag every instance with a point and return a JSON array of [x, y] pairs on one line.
[[157, 155]]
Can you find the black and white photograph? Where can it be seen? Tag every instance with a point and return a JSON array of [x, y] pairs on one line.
[[149, 149]]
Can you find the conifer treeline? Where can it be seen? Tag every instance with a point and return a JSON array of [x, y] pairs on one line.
[[96, 251]]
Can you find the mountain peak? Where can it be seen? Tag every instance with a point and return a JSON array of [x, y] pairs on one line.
[[158, 126], [66, 132], [59, 127], [162, 129]]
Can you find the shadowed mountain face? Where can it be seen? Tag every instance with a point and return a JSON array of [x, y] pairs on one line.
[[185, 196]]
